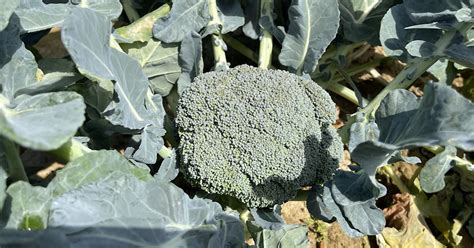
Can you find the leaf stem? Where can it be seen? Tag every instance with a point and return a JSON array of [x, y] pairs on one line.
[[266, 41], [15, 168], [71, 150], [220, 60], [165, 152]]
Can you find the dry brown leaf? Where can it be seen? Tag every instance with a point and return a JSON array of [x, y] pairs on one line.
[[409, 228]]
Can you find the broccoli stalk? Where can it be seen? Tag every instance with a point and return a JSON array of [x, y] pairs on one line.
[[266, 40], [220, 60]]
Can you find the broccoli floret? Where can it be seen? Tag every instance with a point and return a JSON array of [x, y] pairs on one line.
[[256, 135]]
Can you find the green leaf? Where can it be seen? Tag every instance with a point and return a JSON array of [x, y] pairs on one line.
[[313, 25], [432, 174], [430, 11], [28, 206], [360, 19], [230, 14], [252, 15], [150, 144], [90, 168], [97, 60], [350, 198], [461, 54], [17, 65], [287, 236], [185, 16], [43, 122], [168, 169], [190, 60], [159, 62], [141, 30], [120, 211], [8, 6], [398, 30], [50, 82], [3, 185], [35, 15], [268, 218]]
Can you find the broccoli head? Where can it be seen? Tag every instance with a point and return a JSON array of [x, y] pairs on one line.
[[256, 135]]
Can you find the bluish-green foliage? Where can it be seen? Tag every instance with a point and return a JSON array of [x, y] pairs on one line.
[[257, 135]]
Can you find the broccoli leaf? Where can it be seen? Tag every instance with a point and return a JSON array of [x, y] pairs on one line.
[[131, 216], [402, 117], [268, 218], [310, 32], [434, 10], [185, 16], [395, 34], [17, 64], [151, 142], [43, 122], [432, 174], [97, 60], [91, 167], [231, 15], [159, 62], [8, 6], [35, 15], [168, 169], [350, 198], [460, 54], [55, 81], [190, 60], [158, 59], [287, 236], [360, 19], [252, 15], [28, 206]]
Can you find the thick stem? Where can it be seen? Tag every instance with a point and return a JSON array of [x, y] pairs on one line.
[[266, 41], [220, 60], [165, 152], [16, 171], [71, 150]]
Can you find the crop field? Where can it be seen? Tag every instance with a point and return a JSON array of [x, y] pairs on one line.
[[237, 123]]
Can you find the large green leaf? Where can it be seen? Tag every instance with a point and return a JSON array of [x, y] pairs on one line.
[[28, 206], [8, 6], [350, 198], [42, 122], [185, 16], [360, 19], [159, 62], [402, 117], [90, 168], [17, 65], [230, 14], [120, 211], [313, 25], [35, 15], [96, 59]]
